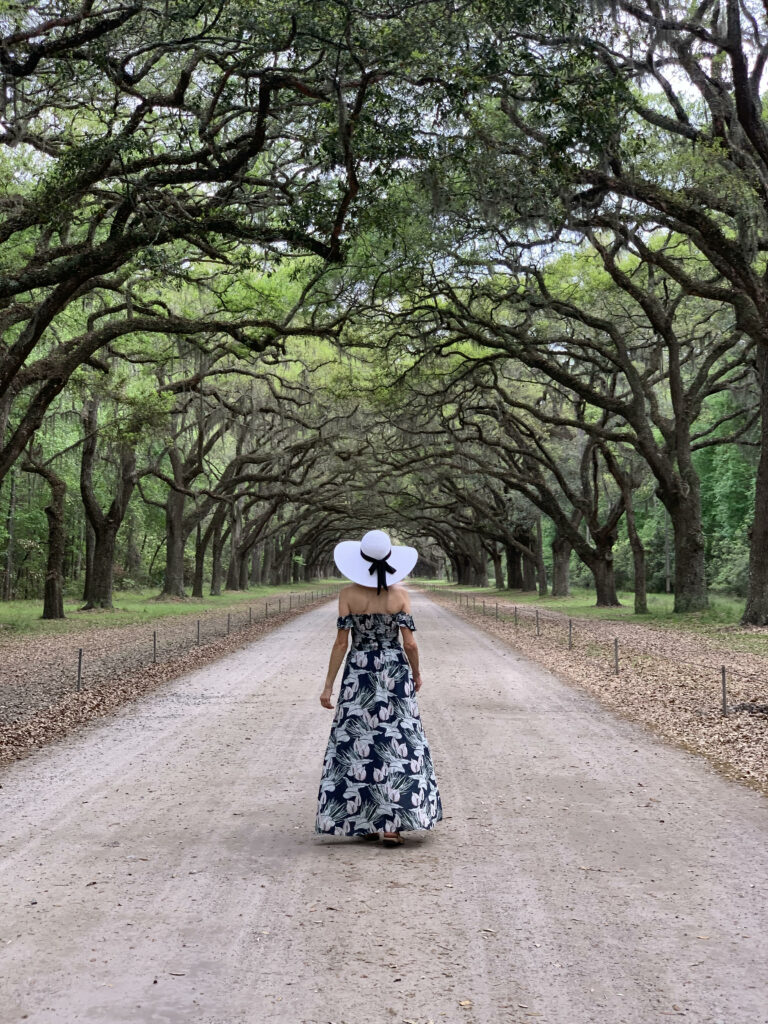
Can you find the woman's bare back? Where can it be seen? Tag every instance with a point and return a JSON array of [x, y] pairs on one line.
[[357, 600]]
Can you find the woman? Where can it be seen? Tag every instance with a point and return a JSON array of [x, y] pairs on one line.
[[377, 774]]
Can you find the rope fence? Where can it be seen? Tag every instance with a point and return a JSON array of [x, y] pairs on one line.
[[574, 635], [173, 637]]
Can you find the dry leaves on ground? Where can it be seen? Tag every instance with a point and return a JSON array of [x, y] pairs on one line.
[[669, 680]]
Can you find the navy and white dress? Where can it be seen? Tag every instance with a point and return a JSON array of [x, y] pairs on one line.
[[377, 774]]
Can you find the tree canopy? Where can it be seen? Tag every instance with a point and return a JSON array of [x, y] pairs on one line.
[[492, 275]]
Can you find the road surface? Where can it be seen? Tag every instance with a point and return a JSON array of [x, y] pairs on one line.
[[161, 866]]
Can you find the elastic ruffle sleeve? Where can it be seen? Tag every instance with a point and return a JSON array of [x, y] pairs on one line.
[[344, 622], [404, 619]]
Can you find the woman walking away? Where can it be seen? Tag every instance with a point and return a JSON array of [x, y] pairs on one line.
[[377, 774]]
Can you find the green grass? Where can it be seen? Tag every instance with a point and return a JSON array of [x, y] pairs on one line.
[[720, 620], [134, 607]]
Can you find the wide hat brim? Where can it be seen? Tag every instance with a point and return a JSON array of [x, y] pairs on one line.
[[350, 563]]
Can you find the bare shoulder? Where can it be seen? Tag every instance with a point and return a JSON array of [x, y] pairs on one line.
[[404, 598], [344, 599]]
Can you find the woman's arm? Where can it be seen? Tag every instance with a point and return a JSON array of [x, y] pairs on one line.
[[409, 643], [412, 654], [338, 651]]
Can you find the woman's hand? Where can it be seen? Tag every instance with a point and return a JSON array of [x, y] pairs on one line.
[[325, 698], [417, 681]]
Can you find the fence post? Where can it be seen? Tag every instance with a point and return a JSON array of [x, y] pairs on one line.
[[483, 606], [229, 620], [266, 609], [515, 614], [250, 615], [615, 655], [290, 602], [570, 634], [198, 631], [725, 692], [79, 669], [154, 647], [279, 604], [497, 609], [538, 630]]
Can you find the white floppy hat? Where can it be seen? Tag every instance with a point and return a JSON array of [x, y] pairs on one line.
[[373, 561]]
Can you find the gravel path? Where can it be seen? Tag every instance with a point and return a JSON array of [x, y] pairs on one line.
[[161, 867], [669, 679]]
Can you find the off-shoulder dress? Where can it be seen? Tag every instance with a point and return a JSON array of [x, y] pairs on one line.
[[377, 774]]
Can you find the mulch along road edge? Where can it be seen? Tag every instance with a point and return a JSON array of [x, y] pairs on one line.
[[78, 709], [666, 698]]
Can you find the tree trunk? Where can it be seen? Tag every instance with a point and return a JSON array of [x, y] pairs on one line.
[[756, 610], [105, 524], [529, 564], [216, 555], [638, 558], [235, 555], [498, 576], [256, 556], [53, 593], [132, 553], [200, 547], [90, 544], [103, 568], [243, 581], [561, 567], [541, 569], [266, 571], [690, 570], [514, 568], [605, 581], [175, 543], [9, 525]]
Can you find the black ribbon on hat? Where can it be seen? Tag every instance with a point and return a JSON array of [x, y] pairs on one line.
[[381, 567]]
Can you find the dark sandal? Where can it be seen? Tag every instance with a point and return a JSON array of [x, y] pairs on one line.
[[393, 839], [369, 837]]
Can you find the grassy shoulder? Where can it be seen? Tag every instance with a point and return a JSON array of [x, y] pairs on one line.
[[720, 620], [134, 607]]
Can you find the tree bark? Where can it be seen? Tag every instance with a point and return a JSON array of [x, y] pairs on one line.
[[498, 576], [216, 554], [529, 563], [175, 533], [514, 568], [53, 594], [690, 578], [200, 546], [256, 557], [105, 524], [602, 570], [9, 526], [638, 558], [235, 555], [756, 610], [90, 543], [561, 566], [541, 569]]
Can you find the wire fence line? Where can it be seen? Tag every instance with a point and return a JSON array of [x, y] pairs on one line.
[[170, 638], [574, 634]]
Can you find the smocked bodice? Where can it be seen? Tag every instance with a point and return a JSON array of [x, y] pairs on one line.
[[375, 630]]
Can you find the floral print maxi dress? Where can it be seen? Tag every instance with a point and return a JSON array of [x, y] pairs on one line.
[[377, 774]]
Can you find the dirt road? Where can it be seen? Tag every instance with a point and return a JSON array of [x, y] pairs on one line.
[[162, 866]]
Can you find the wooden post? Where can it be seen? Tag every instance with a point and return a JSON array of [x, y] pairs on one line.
[[725, 691]]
